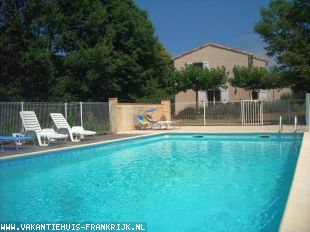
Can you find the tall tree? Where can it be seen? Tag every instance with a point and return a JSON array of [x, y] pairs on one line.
[[26, 69], [85, 50], [285, 28]]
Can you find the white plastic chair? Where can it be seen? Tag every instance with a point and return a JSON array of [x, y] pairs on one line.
[[76, 133], [33, 129]]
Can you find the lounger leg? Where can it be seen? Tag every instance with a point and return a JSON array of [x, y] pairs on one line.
[[44, 143], [74, 137]]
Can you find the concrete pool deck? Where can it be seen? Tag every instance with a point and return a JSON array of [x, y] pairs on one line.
[[296, 217], [219, 129], [28, 149]]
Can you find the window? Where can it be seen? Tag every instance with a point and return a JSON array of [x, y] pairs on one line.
[[204, 64], [216, 93], [254, 95], [199, 64]]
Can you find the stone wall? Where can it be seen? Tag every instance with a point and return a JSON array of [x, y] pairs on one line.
[[123, 116]]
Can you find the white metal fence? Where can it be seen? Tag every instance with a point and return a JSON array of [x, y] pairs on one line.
[[207, 113], [96, 116], [252, 112], [91, 115], [238, 113]]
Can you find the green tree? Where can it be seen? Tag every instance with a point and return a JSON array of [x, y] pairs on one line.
[[218, 78], [200, 79], [26, 69], [82, 50], [273, 79], [256, 78], [284, 26], [248, 78]]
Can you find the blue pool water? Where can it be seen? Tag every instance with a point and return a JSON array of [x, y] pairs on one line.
[[172, 183]]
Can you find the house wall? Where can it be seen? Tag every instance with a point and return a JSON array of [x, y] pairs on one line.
[[218, 57]]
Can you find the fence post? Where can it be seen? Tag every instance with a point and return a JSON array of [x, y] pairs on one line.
[[22, 106], [113, 102], [262, 113], [81, 113], [289, 111], [66, 111], [242, 119], [204, 112], [166, 108], [308, 111]]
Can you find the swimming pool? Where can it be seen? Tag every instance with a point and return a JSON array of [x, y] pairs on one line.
[[172, 182]]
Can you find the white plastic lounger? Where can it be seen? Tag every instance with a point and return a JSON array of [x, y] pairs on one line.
[[33, 129], [167, 123], [76, 133], [161, 123]]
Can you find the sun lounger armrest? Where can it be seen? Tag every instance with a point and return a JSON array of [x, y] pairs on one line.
[[77, 129], [63, 131]]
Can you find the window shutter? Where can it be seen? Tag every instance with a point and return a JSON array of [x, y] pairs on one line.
[[205, 64]]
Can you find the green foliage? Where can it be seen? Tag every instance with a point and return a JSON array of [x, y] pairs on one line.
[[95, 124], [255, 78], [82, 50], [154, 93], [248, 78], [70, 120], [297, 96], [284, 27], [198, 78], [218, 77]]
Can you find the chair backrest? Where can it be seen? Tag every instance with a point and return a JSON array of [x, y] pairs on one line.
[[140, 118], [60, 121], [30, 121]]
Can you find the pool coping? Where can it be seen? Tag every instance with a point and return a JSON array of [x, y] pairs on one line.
[[297, 211], [35, 153], [29, 154], [296, 217]]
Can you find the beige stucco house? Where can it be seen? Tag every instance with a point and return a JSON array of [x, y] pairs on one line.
[[213, 55]]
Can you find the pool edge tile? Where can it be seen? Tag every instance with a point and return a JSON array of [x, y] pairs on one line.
[[29, 154], [297, 211]]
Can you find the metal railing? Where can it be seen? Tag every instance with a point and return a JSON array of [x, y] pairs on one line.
[[204, 113], [230, 113], [308, 111], [252, 112], [90, 115]]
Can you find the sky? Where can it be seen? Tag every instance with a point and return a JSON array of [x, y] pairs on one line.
[[182, 25]]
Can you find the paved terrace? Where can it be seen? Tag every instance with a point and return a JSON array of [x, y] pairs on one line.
[[10, 149]]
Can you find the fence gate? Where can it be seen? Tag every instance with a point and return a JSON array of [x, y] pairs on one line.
[[252, 112]]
